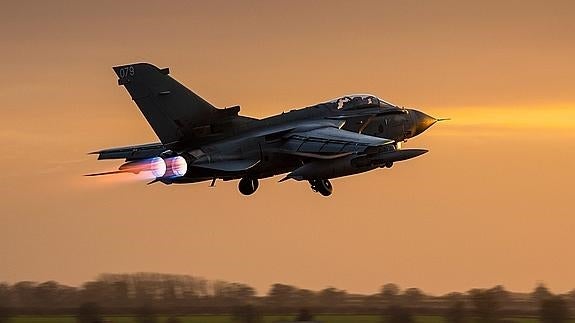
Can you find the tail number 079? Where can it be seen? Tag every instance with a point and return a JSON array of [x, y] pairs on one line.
[[126, 71]]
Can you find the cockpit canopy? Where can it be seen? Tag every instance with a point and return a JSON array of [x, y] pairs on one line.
[[360, 101]]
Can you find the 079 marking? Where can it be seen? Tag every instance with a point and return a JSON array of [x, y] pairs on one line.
[[126, 70]]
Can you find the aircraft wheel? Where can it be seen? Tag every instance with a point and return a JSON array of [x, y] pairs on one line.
[[322, 186], [248, 186], [388, 164]]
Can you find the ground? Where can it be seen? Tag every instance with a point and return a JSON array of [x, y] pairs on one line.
[[227, 319]]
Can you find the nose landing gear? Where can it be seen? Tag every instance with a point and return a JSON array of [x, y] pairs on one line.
[[322, 186], [248, 186]]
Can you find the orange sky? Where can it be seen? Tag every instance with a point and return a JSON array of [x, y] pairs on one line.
[[492, 202]]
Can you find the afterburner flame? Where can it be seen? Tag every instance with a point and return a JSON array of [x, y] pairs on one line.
[[177, 166], [157, 166]]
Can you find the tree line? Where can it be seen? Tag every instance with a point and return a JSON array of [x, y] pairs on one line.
[[183, 294]]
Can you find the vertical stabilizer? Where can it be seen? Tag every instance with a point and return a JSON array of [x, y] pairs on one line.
[[170, 108]]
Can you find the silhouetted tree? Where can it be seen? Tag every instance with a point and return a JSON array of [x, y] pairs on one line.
[[280, 294], [540, 293], [174, 293], [372, 301], [305, 297], [4, 302], [95, 292], [4, 314], [23, 294], [236, 292], [89, 313], [398, 314], [331, 296], [456, 313], [571, 297], [554, 310], [413, 297], [304, 315], [47, 294], [119, 293], [501, 295], [146, 314], [486, 303], [246, 314], [454, 297], [389, 292]]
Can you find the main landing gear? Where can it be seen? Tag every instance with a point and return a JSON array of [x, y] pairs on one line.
[[248, 186], [322, 186]]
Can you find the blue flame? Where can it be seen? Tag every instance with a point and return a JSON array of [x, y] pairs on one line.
[[177, 167], [157, 166]]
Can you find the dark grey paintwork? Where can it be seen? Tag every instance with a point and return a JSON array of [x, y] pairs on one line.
[[345, 136]]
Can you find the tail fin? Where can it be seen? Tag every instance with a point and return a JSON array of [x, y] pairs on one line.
[[170, 108]]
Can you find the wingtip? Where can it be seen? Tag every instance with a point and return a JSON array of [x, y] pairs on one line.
[[284, 179]]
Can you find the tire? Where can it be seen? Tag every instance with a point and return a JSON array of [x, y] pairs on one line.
[[322, 186], [248, 186]]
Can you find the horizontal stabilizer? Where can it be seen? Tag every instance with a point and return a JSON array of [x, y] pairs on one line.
[[108, 173], [131, 152]]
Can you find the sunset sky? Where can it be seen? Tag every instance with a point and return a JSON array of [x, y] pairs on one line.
[[491, 203]]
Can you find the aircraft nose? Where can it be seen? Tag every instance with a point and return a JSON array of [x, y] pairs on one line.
[[422, 121]]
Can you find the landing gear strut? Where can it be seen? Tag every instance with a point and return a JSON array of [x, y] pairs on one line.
[[322, 186], [248, 186]]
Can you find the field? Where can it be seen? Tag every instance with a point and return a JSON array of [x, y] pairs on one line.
[[227, 319]]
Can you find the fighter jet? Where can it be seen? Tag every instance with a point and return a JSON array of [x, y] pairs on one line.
[[199, 142]]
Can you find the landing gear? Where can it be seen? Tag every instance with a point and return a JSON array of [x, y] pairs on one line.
[[388, 164], [248, 186], [322, 186]]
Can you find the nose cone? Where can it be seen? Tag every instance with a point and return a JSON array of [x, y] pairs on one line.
[[421, 121]]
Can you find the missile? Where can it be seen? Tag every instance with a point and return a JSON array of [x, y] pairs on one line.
[[384, 158]]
